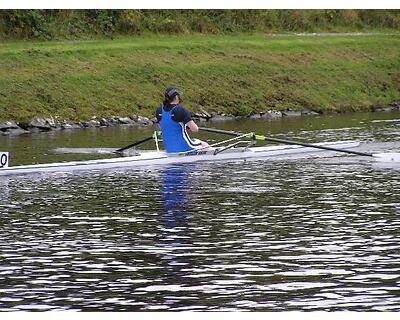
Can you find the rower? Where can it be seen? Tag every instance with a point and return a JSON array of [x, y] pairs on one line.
[[174, 119]]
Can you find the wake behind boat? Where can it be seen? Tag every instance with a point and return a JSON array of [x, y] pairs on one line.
[[149, 158]]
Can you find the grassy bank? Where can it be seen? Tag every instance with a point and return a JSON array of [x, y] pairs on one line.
[[236, 74]]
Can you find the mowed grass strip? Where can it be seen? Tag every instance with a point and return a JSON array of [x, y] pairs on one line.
[[239, 74]]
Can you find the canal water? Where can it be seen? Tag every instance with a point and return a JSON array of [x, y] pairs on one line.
[[312, 232]]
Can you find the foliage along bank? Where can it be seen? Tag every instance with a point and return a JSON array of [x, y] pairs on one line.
[[84, 24]]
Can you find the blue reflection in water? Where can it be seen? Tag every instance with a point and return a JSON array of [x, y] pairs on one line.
[[175, 220], [174, 188]]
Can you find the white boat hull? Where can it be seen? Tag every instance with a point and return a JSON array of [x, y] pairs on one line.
[[161, 158]]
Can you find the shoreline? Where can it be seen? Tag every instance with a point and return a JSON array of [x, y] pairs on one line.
[[14, 128]]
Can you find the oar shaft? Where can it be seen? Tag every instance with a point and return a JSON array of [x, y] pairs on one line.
[[258, 137], [133, 145], [317, 146], [230, 133]]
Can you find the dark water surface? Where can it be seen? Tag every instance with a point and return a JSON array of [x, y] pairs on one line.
[[311, 232]]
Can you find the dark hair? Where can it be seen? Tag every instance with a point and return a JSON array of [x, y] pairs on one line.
[[170, 94]]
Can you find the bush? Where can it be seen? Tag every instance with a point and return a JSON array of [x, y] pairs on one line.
[[105, 22], [130, 21], [25, 23], [46, 24], [169, 25]]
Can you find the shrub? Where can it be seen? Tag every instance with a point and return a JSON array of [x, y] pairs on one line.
[[45, 24]]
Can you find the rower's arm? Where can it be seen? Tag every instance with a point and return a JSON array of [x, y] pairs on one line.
[[192, 126]]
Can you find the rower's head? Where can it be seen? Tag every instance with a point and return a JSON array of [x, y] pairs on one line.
[[172, 95]]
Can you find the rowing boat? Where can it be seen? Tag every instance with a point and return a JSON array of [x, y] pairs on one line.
[[157, 157]]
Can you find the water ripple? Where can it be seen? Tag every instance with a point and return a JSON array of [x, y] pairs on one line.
[[302, 233]]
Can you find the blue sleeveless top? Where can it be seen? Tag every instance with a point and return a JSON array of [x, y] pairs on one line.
[[174, 135]]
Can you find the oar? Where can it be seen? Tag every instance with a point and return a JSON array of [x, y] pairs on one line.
[[121, 150], [378, 156]]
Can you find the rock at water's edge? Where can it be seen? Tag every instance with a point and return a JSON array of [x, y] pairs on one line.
[[219, 118], [8, 125], [291, 113], [16, 132], [126, 120], [271, 115], [39, 123]]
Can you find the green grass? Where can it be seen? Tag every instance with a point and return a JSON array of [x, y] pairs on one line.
[[237, 74]]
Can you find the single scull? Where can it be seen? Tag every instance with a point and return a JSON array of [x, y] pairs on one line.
[[147, 158]]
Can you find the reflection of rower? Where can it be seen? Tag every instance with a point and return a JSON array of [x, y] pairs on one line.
[[174, 196], [173, 119], [175, 218]]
